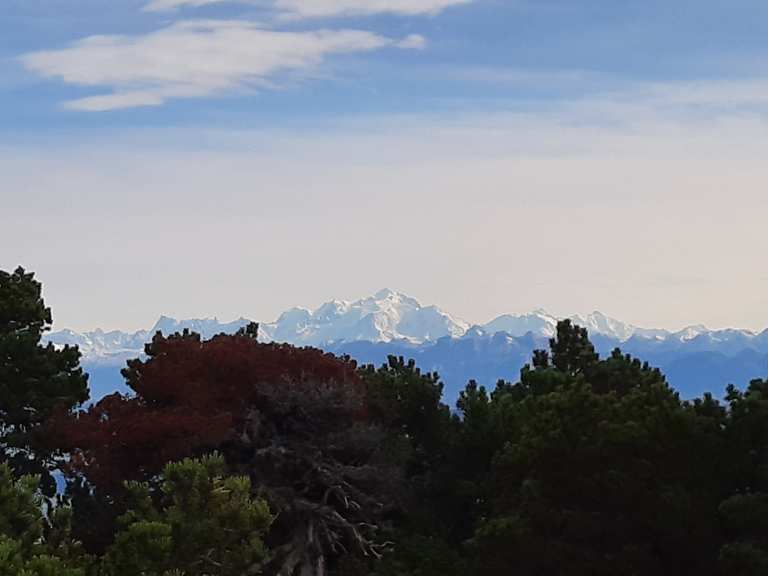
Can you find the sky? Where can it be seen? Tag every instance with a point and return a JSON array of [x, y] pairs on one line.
[[201, 158]]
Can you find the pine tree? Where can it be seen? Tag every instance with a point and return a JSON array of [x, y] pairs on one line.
[[31, 544], [206, 523], [34, 379]]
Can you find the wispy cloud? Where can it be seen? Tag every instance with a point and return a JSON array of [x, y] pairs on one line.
[[323, 8], [170, 5], [194, 59], [413, 42], [725, 92], [326, 8]]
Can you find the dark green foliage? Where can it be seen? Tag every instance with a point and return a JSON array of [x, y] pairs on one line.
[[745, 513], [748, 435], [407, 403], [417, 554], [34, 379], [595, 469], [745, 519], [571, 351], [598, 483], [251, 330], [205, 523], [30, 544]]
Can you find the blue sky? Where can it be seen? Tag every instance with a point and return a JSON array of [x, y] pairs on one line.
[[501, 123], [482, 52]]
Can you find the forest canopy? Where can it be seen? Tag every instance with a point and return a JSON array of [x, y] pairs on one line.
[[232, 457]]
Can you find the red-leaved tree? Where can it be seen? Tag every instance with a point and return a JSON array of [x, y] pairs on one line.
[[293, 419]]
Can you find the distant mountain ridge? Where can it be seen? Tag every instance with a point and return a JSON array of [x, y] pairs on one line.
[[390, 322], [115, 346]]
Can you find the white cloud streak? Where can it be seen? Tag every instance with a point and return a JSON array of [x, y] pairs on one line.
[[195, 59], [323, 8], [413, 42], [329, 8], [730, 93], [171, 5]]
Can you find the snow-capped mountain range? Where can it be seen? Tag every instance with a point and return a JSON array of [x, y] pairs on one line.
[[694, 359], [384, 317], [387, 316]]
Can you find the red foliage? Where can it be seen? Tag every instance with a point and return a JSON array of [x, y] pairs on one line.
[[229, 370], [121, 438], [194, 395]]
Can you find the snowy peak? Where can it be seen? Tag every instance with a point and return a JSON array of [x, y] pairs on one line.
[[542, 324], [206, 327], [539, 322], [388, 294], [392, 298], [691, 332], [115, 346], [100, 346], [386, 316], [598, 323]]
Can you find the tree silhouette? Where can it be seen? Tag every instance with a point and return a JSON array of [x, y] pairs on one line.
[[34, 379]]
